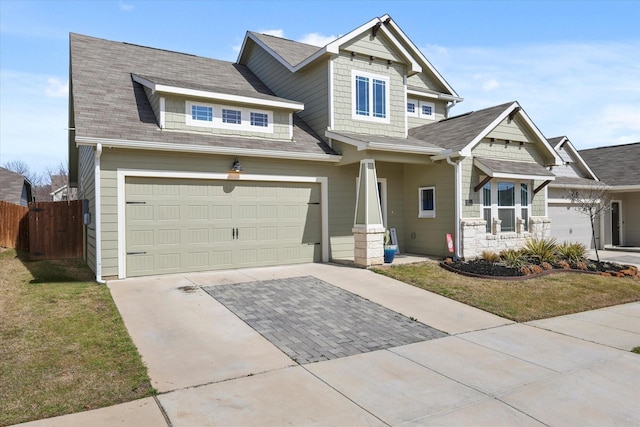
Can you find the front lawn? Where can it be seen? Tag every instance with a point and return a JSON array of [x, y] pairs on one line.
[[64, 346], [521, 300]]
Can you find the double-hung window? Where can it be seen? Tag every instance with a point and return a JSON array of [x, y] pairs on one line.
[[370, 97], [507, 205]]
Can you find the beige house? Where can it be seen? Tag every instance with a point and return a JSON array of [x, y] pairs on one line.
[[295, 153]]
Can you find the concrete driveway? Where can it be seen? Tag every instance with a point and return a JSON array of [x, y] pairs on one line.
[[440, 363]]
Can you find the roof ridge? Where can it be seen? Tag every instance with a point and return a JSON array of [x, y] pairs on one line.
[[287, 39], [609, 146]]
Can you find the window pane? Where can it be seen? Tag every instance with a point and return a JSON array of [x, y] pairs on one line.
[[200, 112], [486, 194], [525, 218], [508, 217], [379, 98], [524, 195], [487, 217], [362, 96], [231, 116], [411, 107], [506, 194], [427, 200], [259, 119], [427, 110]]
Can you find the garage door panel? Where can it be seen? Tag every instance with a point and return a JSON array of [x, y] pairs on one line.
[[176, 225], [567, 224]]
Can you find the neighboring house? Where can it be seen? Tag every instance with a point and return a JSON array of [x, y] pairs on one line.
[[63, 193], [574, 174], [15, 188], [618, 166], [295, 153]]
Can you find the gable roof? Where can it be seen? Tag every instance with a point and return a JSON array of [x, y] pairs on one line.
[[111, 107], [295, 55], [616, 165], [461, 133], [568, 153], [12, 186]]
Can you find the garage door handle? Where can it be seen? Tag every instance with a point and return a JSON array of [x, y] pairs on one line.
[[136, 253], [233, 234], [237, 234]]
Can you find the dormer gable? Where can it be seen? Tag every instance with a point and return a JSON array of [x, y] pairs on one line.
[[572, 163]]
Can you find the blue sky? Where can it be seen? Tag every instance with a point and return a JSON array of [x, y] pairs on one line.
[[574, 66]]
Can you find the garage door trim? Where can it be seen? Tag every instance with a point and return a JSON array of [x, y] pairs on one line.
[[122, 174]]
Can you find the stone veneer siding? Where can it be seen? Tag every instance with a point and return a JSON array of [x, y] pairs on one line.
[[475, 239]]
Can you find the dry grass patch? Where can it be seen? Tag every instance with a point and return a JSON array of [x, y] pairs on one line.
[[521, 300], [64, 346]]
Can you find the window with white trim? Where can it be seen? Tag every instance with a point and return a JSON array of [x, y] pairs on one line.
[[370, 96], [198, 114], [231, 116], [421, 109], [427, 202], [508, 201], [226, 117]]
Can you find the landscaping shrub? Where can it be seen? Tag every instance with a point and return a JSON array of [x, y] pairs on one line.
[[512, 258], [490, 256], [573, 253], [542, 250]]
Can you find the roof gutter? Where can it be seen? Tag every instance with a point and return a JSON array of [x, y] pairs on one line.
[[190, 148]]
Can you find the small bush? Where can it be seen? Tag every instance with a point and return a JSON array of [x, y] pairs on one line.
[[490, 256], [512, 258], [544, 250], [581, 265], [525, 270], [546, 266], [572, 252], [564, 264], [536, 269]]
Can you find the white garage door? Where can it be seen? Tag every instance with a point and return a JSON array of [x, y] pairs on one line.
[[180, 225], [569, 225]]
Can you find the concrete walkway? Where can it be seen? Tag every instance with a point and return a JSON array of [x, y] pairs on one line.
[[211, 368]]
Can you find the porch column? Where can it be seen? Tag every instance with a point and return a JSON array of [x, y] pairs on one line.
[[368, 230]]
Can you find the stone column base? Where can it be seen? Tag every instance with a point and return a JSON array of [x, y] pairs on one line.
[[368, 246]]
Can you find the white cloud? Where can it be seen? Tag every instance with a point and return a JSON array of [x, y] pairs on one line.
[[317, 39], [274, 32], [56, 88], [589, 92], [126, 7]]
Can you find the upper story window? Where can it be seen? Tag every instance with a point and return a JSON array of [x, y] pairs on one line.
[[231, 116], [370, 97], [221, 116], [422, 109]]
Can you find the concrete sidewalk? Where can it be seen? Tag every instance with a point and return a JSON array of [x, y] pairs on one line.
[[211, 368]]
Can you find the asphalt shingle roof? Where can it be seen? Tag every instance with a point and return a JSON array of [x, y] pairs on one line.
[[409, 141], [108, 104], [457, 132], [11, 185], [615, 165], [515, 168], [291, 51]]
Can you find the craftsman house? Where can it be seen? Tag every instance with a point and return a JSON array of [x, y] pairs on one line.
[[295, 153]]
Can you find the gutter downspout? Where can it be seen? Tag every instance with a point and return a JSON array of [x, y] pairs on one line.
[[98, 212], [458, 207], [449, 107]]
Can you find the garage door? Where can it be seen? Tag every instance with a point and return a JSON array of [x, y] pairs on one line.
[[569, 225], [180, 225]]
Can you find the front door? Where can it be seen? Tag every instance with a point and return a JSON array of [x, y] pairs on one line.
[[615, 223]]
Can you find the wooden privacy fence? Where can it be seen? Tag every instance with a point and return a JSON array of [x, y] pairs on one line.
[[14, 226], [55, 230]]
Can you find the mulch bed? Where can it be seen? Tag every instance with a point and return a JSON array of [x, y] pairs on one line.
[[495, 270]]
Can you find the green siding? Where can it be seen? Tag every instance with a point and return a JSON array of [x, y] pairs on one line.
[[309, 86], [343, 108], [423, 81], [175, 119], [427, 235], [379, 47], [510, 152]]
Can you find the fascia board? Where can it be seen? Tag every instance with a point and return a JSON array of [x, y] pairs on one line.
[[621, 188], [144, 82], [559, 144], [186, 148], [334, 46], [488, 128], [415, 66], [503, 175], [438, 95], [421, 57], [577, 156]]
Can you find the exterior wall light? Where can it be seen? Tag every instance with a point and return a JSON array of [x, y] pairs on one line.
[[236, 167]]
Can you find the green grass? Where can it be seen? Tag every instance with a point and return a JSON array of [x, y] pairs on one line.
[[64, 346], [635, 350], [521, 301]]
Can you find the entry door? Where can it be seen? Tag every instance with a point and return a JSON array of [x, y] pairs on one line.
[[615, 223]]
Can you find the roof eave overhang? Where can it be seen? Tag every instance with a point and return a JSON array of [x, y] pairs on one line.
[[192, 148], [217, 96], [380, 146], [444, 154], [621, 188], [436, 95], [511, 175]]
